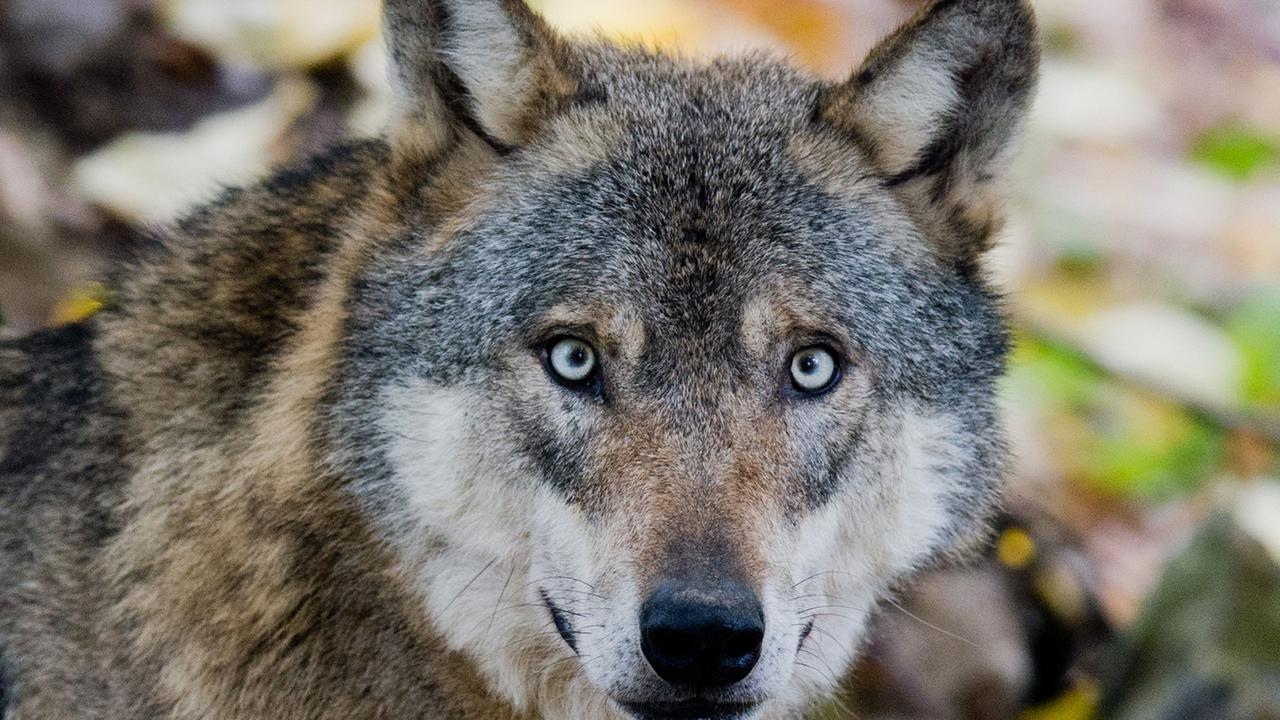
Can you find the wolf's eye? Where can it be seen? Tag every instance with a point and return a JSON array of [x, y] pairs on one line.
[[814, 370], [572, 361]]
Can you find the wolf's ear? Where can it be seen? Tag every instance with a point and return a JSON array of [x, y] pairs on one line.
[[939, 105], [491, 65]]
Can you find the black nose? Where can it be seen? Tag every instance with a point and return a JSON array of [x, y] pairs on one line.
[[702, 635]]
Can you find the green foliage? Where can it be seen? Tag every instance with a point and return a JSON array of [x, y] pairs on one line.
[[1112, 438], [1237, 152], [1062, 40], [1255, 327], [1068, 378], [1156, 451], [1080, 259]]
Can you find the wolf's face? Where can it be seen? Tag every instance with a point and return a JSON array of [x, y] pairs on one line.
[[698, 364]]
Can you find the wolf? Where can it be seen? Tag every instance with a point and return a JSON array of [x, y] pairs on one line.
[[606, 384]]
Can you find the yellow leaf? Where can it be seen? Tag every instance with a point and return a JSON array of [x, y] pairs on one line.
[[1078, 703], [83, 303], [1015, 548]]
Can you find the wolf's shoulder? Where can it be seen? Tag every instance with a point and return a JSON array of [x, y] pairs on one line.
[[293, 214], [61, 454], [206, 307], [62, 470], [61, 441]]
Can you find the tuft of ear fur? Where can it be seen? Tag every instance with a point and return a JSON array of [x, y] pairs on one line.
[[940, 105], [491, 66]]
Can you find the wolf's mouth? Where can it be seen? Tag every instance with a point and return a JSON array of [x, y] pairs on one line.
[[563, 626], [804, 635], [689, 710]]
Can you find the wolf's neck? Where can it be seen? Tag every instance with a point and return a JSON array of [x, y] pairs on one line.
[[247, 580], [242, 556], [193, 332]]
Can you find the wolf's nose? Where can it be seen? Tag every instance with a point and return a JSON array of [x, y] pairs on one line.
[[702, 636]]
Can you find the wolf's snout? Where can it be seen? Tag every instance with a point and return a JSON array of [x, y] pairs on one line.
[[702, 636]]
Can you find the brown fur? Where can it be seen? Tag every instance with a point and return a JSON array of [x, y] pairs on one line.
[[177, 539], [285, 596]]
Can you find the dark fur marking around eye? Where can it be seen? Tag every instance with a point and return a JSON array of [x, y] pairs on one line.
[[561, 465], [821, 485]]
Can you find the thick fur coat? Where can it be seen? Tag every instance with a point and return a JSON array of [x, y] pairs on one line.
[[314, 461]]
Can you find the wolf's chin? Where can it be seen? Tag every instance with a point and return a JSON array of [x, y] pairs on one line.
[[690, 710]]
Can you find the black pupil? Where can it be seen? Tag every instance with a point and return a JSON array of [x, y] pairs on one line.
[[578, 357], [808, 363]]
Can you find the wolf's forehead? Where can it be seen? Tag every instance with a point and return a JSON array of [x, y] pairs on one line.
[[693, 232], [696, 194], [661, 82], [726, 106]]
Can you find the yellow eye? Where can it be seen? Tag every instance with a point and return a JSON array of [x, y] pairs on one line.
[[572, 360], [814, 370]]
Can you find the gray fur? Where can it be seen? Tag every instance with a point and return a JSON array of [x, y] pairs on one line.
[[205, 507]]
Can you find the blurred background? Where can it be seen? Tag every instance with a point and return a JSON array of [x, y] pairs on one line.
[[1136, 574]]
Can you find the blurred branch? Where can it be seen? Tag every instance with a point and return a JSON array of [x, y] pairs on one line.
[[1265, 425]]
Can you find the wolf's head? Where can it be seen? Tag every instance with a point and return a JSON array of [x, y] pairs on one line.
[[682, 365]]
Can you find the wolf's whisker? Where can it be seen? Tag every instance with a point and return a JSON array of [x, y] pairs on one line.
[[830, 607], [820, 672], [527, 639], [818, 575], [494, 615], [563, 577], [410, 438], [412, 410], [821, 659], [836, 615], [542, 606], [930, 625], [470, 583], [595, 610], [825, 633], [545, 669], [586, 593]]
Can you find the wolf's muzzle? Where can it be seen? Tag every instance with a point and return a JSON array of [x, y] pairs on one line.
[[702, 637]]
